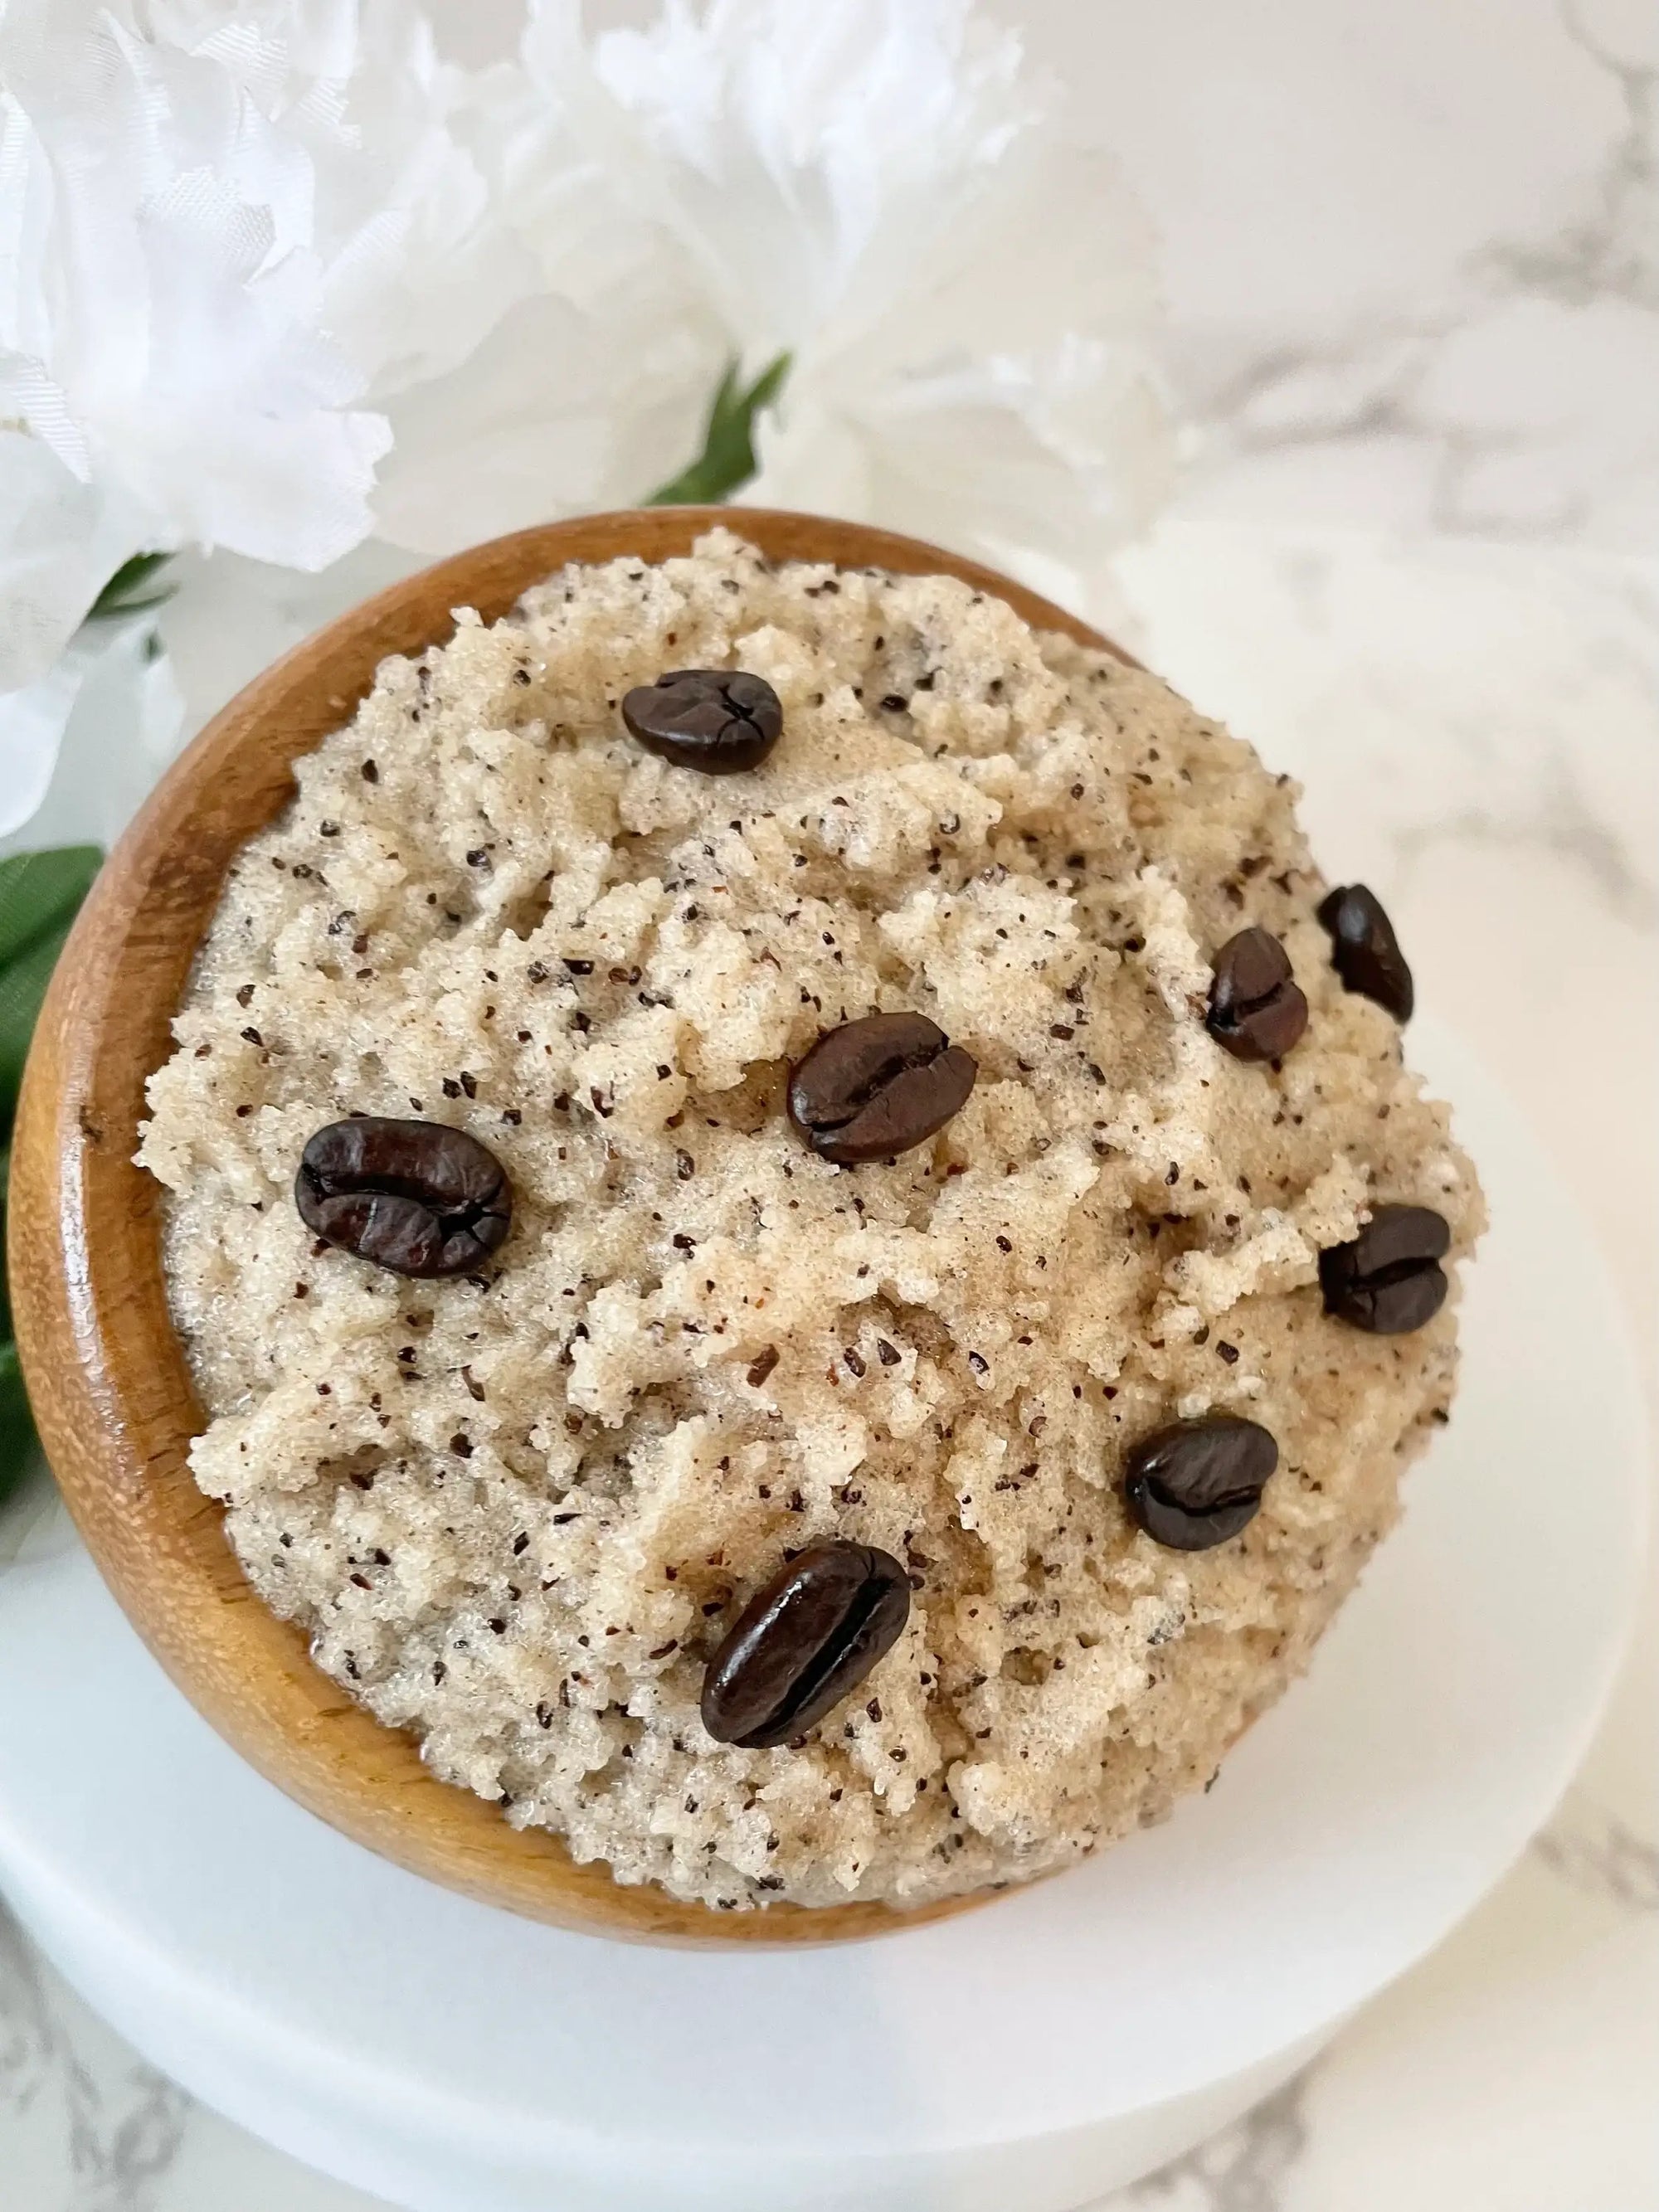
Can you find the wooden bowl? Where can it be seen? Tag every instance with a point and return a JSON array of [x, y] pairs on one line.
[[106, 1374]]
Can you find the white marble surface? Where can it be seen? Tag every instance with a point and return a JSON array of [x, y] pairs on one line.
[[1412, 252], [1414, 276]]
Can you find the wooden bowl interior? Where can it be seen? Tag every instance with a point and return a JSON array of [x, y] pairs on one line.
[[105, 1370]]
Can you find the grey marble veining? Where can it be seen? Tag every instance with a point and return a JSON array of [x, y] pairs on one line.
[[1517, 396], [120, 2128], [1594, 1851], [1563, 825], [27, 2039], [1244, 2169], [1609, 248]]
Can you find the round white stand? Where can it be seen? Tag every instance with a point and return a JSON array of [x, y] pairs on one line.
[[1021, 2059]]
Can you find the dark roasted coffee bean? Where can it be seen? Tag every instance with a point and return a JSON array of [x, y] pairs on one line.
[[1256, 1011], [718, 719], [1198, 1483], [417, 1197], [809, 1638], [874, 1088], [1389, 1279], [1366, 952]]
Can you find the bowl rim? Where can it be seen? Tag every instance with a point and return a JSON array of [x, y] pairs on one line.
[[112, 1395]]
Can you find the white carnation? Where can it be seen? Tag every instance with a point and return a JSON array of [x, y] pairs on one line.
[[240, 247], [275, 276], [161, 304], [81, 745], [883, 190]]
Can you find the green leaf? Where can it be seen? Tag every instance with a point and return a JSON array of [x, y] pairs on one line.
[[127, 592], [17, 1427], [40, 895], [727, 459], [5, 1303], [41, 890], [23, 987]]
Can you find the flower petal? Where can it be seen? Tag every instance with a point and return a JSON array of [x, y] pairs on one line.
[[1066, 454], [810, 162], [885, 191], [79, 749], [538, 423], [61, 541]]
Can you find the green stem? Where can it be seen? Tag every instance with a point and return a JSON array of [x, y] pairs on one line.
[[125, 593], [727, 460], [40, 893]]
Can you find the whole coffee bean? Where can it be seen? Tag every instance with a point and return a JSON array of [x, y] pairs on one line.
[[1198, 1483], [417, 1197], [810, 1637], [718, 719], [1389, 1279], [875, 1088], [1256, 1011], [1366, 952]]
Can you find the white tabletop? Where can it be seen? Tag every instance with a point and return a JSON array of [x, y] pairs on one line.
[[1416, 292]]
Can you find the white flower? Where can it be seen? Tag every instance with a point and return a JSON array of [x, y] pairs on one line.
[[562, 410], [61, 540], [881, 189], [274, 275], [160, 299], [240, 246], [80, 747], [591, 389], [163, 374], [228, 618]]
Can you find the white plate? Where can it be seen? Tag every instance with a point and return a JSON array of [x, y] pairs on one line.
[[452, 2057]]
